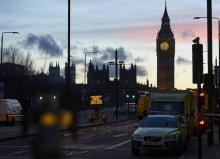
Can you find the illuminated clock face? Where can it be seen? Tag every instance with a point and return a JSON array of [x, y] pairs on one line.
[[164, 46]]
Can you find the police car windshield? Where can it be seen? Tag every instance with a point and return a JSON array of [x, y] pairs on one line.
[[167, 107], [158, 122]]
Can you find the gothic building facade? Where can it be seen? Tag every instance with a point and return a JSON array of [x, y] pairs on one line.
[[165, 44], [72, 72], [54, 72], [128, 77], [97, 78]]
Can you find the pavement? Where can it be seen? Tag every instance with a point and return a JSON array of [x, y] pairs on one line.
[[208, 152], [83, 122]]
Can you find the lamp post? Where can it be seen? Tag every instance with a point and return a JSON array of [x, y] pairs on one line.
[[116, 80], [218, 82], [217, 73], [2, 42], [2, 45], [68, 53], [210, 74]]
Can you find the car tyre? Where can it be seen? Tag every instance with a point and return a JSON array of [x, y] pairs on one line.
[[185, 145], [178, 149], [135, 151]]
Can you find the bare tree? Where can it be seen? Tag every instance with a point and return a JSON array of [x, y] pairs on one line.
[[16, 56], [12, 55], [29, 64]]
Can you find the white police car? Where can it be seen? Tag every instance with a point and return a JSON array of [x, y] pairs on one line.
[[166, 132]]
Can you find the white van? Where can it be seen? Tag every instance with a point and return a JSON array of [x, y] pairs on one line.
[[10, 110]]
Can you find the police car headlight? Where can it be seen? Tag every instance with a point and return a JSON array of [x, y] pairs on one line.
[[137, 137], [170, 137]]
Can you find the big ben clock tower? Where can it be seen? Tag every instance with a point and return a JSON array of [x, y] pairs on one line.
[[165, 54]]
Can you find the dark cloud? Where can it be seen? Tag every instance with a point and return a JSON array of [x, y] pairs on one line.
[[109, 54], [78, 61], [141, 71], [188, 33], [122, 54], [104, 56], [74, 47], [183, 61], [138, 59], [44, 43], [79, 42], [95, 48], [92, 49]]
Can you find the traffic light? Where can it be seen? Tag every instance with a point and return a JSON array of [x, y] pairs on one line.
[[201, 122], [202, 97], [197, 62], [133, 97], [127, 95]]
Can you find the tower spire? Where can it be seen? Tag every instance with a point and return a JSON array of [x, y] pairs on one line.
[[165, 25], [165, 18]]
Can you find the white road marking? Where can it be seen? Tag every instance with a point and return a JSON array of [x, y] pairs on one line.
[[70, 153], [15, 153], [67, 142], [14, 157], [86, 137], [67, 134], [81, 138], [119, 135], [85, 147], [118, 145], [25, 146], [106, 132]]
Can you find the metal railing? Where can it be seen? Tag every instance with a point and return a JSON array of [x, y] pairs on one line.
[[215, 120]]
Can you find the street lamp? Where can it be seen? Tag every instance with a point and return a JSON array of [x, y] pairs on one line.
[[2, 42], [116, 79], [88, 52], [218, 43], [217, 73], [210, 75], [2, 45]]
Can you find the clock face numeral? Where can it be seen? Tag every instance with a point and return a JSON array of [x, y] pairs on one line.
[[164, 46]]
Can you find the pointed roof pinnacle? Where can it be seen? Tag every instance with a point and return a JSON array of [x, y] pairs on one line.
[[165, 18], [165, 25]]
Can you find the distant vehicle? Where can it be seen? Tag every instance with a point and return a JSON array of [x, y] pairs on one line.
[[166, 132], [142, 93], [127, 109], [10, 111]]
